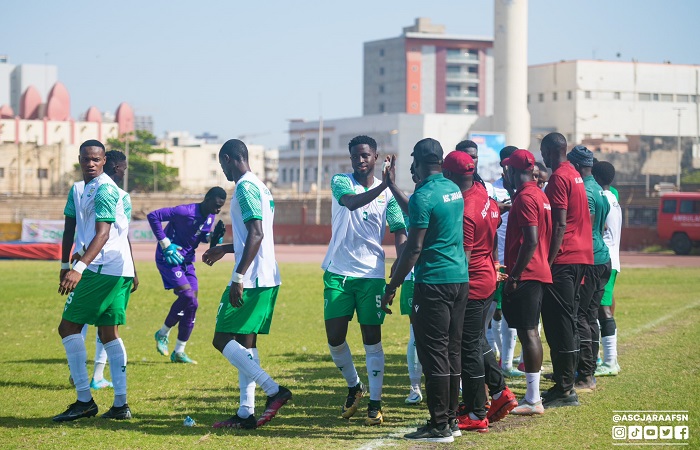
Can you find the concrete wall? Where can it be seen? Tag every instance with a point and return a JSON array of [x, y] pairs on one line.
[[293, 218], [394, 133], [5, 85], [287, 211], [607, 99], [428, 83], [20, 164], [199, 167], [392, 80], [52, 132]]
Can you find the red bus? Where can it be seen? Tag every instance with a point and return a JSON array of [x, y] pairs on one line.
[[679, 220]]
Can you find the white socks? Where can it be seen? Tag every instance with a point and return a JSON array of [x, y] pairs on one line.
[[374, 357], [116, 354], [180, 346], [239, 357], [77, 360], [164, 330], [508, 339], [100, 359], [99, 372], [610, 349], [415, 369], [532, 394], [100, 353], [343, 361], [497, 345], [247, 387], [489, 331]]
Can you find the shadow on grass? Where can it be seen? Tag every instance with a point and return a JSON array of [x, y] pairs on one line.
[[33, 385], [281, 427], [62, 361], [319, 390]]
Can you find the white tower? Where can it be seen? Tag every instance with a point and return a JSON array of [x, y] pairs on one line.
[[510, 71]]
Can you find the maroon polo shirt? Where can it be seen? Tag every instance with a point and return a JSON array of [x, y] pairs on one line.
[[566, 190], [530, 208]]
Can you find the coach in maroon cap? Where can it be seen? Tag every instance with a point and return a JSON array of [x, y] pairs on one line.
[[479, 366], [527, 248]]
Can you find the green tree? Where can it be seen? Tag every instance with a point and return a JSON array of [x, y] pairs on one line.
[[145, 175]]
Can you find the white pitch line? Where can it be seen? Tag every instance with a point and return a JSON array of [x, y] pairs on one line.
[[387, 441], [654, 323]]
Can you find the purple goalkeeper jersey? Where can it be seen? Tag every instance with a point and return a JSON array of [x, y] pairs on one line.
[[186, 228]]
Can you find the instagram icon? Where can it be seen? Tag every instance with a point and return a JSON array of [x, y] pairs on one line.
[[619, 432]]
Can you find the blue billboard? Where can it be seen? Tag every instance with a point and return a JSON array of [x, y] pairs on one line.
[[490, 145]]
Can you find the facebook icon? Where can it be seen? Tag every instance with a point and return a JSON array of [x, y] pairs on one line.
[[680, 432]]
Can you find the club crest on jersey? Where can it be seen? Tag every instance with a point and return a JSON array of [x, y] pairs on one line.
[[381, 199], [178, 274], [199, 231], [92, 191]]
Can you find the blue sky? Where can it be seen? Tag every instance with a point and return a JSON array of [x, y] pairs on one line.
[[241, 68]]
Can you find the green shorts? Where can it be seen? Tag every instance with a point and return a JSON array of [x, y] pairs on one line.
[[98, 300], [608, 294], [406, 297], [255, 316], [343, 295]]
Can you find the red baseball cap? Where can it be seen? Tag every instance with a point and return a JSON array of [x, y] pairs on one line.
[[520, 159], [459, 162]]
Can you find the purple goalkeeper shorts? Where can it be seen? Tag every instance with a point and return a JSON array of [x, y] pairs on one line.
[[174, 276]]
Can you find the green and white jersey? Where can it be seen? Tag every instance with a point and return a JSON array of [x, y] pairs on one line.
[[252, 201], [126, 200], [100, 200], [356, 249], [613, 229]]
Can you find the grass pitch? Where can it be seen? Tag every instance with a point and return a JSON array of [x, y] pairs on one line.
[[657, 314]]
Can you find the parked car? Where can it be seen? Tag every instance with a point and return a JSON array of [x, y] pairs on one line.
[[678, 221]]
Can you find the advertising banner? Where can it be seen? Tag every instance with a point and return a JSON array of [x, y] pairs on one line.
[[490, 145], [37, 230]]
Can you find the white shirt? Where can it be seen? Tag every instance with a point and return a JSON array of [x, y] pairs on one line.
[[613, 229], [253, 200], [101, 200], [489, 189], [356, 249], [500, 194]]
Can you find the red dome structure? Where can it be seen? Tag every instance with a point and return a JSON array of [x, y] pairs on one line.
[[125, 118], [29, 104], [93, 115], [58, 104], [6, 112]]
